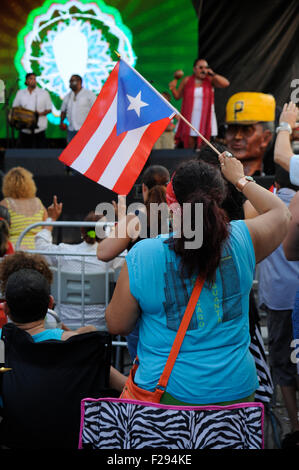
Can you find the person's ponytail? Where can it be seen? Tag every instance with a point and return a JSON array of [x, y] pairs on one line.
[[205, 259], [198, 182]]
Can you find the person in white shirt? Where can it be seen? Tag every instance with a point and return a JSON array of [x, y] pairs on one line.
[[283, 152], [38, 100], [71, 314], [76, 106]]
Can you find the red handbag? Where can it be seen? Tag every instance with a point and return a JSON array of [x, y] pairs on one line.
[[131, 390]]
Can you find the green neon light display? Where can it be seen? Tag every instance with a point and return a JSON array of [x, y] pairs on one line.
[[160, 38], [72, 37]]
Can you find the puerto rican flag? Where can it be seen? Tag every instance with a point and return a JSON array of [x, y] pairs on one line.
[[113, 144]]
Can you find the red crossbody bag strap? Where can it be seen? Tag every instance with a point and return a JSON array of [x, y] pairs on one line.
[[181, 333]]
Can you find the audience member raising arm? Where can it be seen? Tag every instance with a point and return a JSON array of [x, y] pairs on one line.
[[263, 228], [283, 152], [123, 309], [154, 181], [166, 267]]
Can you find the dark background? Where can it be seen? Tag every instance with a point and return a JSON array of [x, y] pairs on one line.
[[255, 44]]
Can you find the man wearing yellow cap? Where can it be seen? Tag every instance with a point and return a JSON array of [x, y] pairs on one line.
[[250, 120]]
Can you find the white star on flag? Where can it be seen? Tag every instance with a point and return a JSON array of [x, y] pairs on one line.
[[136, 103], [113, 145]]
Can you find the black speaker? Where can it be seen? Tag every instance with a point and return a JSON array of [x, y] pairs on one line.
[[41, 162]]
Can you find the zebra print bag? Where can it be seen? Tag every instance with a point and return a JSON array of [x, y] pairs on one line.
[[113, 423]]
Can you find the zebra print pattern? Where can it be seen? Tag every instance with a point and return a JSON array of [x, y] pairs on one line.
[[126, 424], [265, 391]]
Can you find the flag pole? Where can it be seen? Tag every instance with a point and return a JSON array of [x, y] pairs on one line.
[[199, 134], [176, 111]]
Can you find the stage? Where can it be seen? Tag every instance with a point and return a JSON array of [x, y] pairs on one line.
[[78, 193]]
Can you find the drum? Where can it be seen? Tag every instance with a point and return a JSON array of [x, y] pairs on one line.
[[22, 118]]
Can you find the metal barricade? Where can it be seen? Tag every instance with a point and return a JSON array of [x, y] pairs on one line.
[[118, 343]]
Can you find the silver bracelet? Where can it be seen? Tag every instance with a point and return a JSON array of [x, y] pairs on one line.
[[284, 126]]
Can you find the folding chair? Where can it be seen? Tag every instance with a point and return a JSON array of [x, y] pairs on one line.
[[69, 289], [42, 391]]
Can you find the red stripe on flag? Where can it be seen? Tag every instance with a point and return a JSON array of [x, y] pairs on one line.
[[104, 156], [93, 120], [138, 159]]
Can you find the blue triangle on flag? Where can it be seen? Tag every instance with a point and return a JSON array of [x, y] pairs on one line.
[[137, 103]]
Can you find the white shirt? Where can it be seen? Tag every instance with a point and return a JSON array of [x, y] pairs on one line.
[[197, 110], [294, 170], [38, 100], [77, 107]]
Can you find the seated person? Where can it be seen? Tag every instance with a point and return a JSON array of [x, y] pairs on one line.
[[71, 314], [24, 260], [35, 279], [42, 393]]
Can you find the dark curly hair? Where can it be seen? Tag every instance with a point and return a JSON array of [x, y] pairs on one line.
[[27, 295], [23, 260], [233, 203]]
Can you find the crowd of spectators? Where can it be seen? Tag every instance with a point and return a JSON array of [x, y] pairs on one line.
[[246, 229]]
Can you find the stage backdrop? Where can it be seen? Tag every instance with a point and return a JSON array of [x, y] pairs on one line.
[[58, 38], [254, 44]]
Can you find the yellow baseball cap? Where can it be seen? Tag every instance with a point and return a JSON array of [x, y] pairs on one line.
[[249, 107]]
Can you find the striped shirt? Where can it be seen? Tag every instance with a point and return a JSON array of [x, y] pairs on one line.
[[20, 221]]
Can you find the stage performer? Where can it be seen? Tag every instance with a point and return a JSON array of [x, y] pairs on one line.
[[38, 100], [198, 108], [76, 106]]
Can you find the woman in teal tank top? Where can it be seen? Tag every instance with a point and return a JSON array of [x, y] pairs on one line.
[[214, 364]]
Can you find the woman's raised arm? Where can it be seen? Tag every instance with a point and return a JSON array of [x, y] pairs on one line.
[[270, 227]]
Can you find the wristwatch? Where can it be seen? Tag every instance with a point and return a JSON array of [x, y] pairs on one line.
[[242, 182], [284, 126]]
